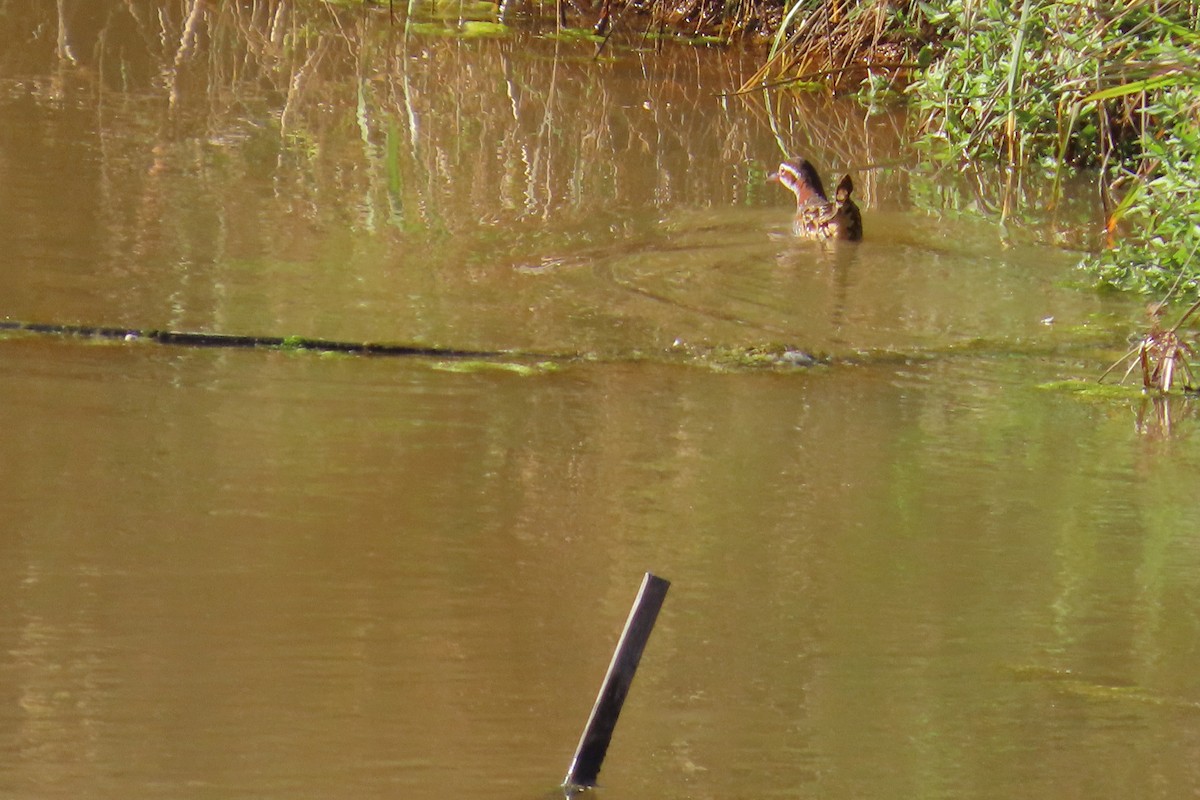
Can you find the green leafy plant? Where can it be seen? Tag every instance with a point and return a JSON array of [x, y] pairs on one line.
[[1081, 84], [1154, 231], [1005, 91]]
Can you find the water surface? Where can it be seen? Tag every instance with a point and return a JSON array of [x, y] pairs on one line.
[[917, 573]]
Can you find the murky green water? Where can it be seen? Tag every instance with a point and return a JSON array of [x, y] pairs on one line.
[[268, 574]]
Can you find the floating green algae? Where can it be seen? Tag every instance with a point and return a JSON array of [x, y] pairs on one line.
[[1094, 390], [479, 28], [478, 366]]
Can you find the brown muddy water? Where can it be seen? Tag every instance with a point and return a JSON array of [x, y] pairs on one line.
[[917, 573]]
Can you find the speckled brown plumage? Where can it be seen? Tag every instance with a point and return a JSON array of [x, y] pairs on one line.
[[816, 216]]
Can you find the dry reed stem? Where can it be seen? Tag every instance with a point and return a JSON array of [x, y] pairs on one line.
[[833, 40]]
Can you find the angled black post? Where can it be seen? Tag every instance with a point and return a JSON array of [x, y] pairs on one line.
[[589, 755]]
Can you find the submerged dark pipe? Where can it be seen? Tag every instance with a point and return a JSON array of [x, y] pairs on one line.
[[198, 339], [593, 744], [751, 356]]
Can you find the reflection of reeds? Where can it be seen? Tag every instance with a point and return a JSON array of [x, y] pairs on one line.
[[341, 116], [1162, 355], [267, 146], [452, 135], [1028, 206], [234, 132]]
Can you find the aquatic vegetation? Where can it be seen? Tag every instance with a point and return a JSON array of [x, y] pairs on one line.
[[293, 342], [512, 367], [477, 28], [574, 35], [1162, 355], [1096, 688], [770, 356], [698, 22], [1091, 390], [698, 40]]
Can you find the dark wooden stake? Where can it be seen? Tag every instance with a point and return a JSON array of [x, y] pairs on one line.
[[593, 745]]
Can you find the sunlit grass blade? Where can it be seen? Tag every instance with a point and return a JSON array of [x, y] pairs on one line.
[[1136, 87]]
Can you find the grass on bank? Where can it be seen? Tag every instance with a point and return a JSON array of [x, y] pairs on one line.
[[1113, 86]]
